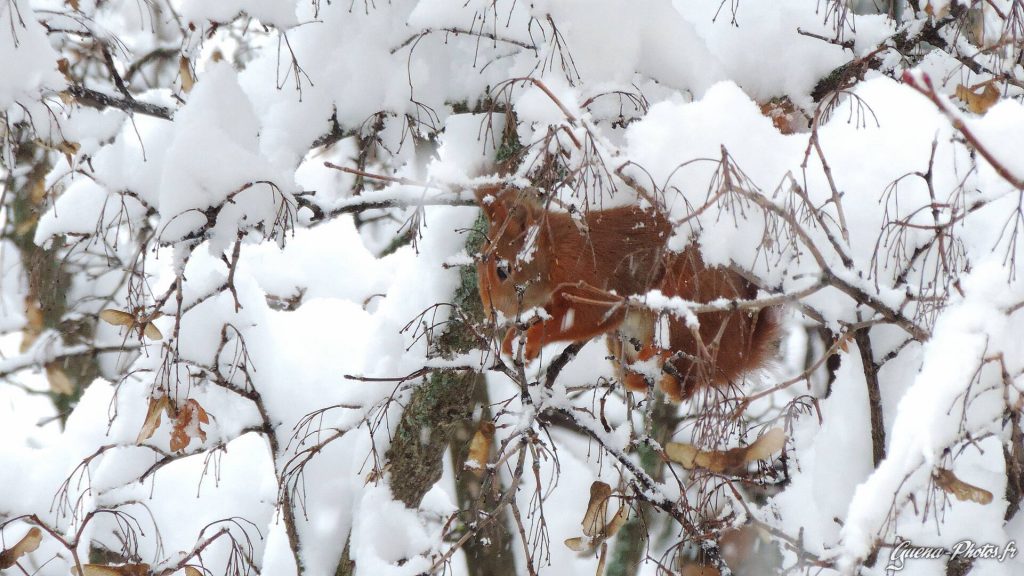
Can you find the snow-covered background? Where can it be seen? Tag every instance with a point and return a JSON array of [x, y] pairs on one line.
[[282, 190]]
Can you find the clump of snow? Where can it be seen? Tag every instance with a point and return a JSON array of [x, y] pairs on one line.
[[930, 415], [279, 13], [30, 63]]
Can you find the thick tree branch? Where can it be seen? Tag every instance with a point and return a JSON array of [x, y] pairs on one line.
[[867, 360], [99, 100]]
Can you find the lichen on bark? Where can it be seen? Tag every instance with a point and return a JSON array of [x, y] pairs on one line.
[[442, 401]]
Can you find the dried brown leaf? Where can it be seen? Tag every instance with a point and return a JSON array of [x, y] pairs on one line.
[[769, 443], [579, 544], [34, 323], [978, 102], [152, 332], [597, 509], [152, 422], [595, 530], [28, 543], [843, 344], [58, 379], [117, 317], [69, 150], [719, 461], [179, 439], [480, 448], [948, 482], [682, 453], [64, 67], [786, 117], [714, 460], [188, 425], [187, 81], [617, 521], [133, 321]]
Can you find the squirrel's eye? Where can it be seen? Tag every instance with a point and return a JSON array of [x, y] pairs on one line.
[[502, 272]]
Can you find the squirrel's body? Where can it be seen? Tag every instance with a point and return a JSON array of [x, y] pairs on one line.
[[581, 269], [731, 342]]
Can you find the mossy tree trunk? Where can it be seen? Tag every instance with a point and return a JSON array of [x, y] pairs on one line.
[[490, 553], [438, 416], [48, 279]]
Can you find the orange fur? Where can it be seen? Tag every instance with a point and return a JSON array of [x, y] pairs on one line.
[[548, 258], [580, 269], [725, 346]]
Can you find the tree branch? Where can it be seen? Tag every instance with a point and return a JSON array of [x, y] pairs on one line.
[[99, 100]]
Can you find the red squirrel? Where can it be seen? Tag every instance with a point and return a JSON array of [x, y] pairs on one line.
[[580, 269]]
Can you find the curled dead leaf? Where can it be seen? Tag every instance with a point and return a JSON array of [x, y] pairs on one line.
[[936, 9], [948, 482], [187, 81], [117, 317], [785, 116], [192, 571], [188, 425], [28, 543], [719, 461], [69, 150], [769, 443], [134, 322], [978, 102], [593, 519], [682, 453], [152, 421], [64, 67], [843, 341], [480, 448], [595, 529], [617, 521], [33, 325], [152, 332], [58, 379], [579, 544]]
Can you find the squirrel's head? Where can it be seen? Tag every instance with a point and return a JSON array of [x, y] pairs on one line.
[[512, 265]]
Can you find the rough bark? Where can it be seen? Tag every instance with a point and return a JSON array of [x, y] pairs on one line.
[[438, 409], [874, 396], [490, 553], [47, 278], [437, 406]]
